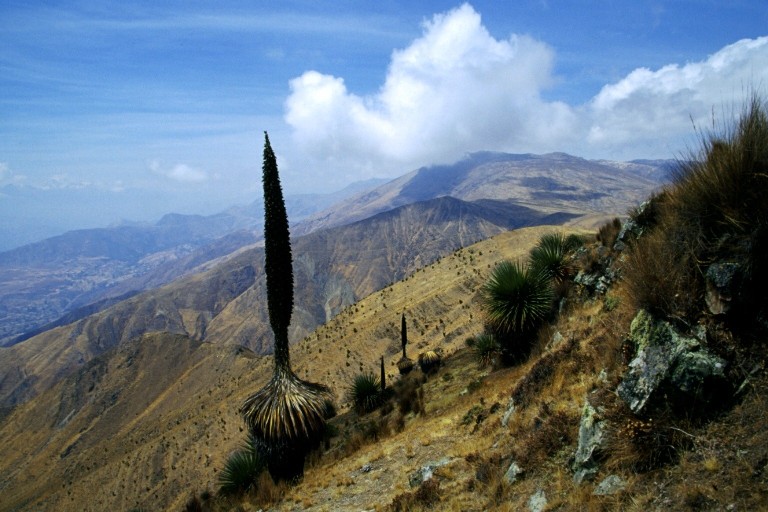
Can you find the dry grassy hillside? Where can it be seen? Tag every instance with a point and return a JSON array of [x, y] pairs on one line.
[[146, 425]]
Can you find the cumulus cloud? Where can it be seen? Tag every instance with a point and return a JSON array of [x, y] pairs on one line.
[[179, 172], [648, 105], [457, 89]]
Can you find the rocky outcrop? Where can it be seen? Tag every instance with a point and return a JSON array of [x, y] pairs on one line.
[[680, 366], [592, 435]]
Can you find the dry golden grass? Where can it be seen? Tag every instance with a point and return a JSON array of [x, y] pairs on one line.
[[183, 430]]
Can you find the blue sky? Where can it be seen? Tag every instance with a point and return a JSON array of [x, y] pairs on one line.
[[128, 110]]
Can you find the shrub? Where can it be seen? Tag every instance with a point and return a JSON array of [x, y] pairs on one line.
[[241, 470], [574, 242], [486, 349], [549, 257], [409, 395], [608, 232], [365, 393]]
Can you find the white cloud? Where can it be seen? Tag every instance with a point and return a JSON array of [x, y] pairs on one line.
[[455, 88], [179, 172], [648, 105], [8, 177]]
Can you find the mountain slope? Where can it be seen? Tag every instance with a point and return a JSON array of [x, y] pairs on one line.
[[44, 284], [146, 423], [226, 304], [556, 181]]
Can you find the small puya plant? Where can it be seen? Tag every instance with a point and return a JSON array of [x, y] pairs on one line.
[[404, 365]]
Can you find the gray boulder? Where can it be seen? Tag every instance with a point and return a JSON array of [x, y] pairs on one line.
[[611, 484], [666, 359]]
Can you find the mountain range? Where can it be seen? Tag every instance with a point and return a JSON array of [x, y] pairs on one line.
[[179, 277]]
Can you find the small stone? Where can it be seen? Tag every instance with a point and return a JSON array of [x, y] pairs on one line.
[[610, 485], [513, 472], [508, 413], [366, 468], [538, 501]]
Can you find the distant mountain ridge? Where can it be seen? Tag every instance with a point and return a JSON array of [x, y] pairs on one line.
[[44, 283], [346, 252], [554, 182]]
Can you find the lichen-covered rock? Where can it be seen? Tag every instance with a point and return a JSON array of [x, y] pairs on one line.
[[508, 412], [591, 438], [513, 472], [426, 472], [666, 359]]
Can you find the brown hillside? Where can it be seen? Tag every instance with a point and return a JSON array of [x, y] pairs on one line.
[[145, 424], [226, 304]]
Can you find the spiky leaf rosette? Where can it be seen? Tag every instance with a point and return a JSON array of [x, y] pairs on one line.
[[287, 410], [429, 361], [486, 349], [405, 365], [278, 264], [365, 392], [549, 256], [241, 469], [516, 299]]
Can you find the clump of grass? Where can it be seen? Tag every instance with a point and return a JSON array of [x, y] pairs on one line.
[[714, 211], [427, 495], [409, 394], [550, 432], [608, 232], [365, 393]]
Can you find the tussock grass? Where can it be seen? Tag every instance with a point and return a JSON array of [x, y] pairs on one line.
[[714, 210]]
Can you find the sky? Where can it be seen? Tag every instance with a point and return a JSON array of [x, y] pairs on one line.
[[115, 111]]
